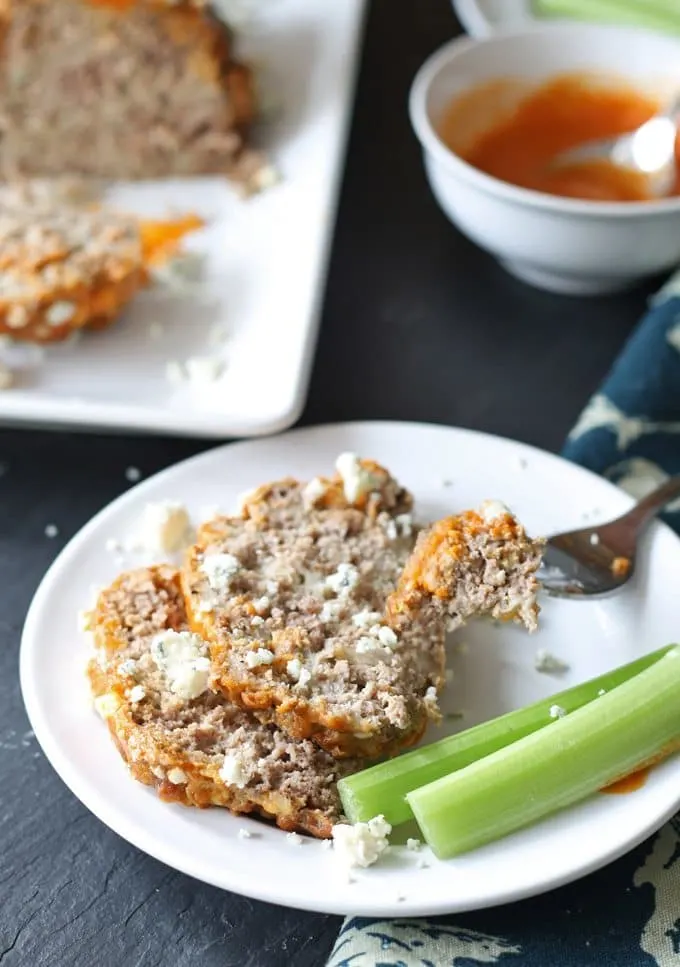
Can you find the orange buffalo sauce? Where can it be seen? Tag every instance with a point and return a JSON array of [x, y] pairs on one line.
[[532, 128], [116, 4], [162, 239], [635, 780]]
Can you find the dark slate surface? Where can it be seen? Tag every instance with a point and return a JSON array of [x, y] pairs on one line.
[[417, 324]]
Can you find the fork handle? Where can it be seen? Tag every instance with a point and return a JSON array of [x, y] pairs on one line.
[[645, 509]]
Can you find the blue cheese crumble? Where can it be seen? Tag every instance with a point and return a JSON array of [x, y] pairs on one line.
[[361, 844], [181, 656]]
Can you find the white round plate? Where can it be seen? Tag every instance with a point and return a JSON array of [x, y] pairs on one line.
[[448, 470]]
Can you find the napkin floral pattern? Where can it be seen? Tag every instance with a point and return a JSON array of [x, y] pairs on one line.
[[628, 914], [630, 429]]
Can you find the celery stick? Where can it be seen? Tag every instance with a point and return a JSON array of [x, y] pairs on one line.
[[381, 789], [554, 767], [652, 14]]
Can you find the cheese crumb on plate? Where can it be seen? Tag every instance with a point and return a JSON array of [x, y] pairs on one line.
[[549, 664], [361, 844], [166, 527], [197, 371], [6, 377]]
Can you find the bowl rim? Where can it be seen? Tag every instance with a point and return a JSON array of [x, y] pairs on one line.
[[429, 139]]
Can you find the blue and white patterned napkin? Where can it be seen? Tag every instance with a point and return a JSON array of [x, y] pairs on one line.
[[627, 915], [630, 430]]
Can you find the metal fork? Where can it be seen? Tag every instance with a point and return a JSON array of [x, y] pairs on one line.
[[597, 560]]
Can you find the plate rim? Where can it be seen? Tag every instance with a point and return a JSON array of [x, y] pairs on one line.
[[85, 790]]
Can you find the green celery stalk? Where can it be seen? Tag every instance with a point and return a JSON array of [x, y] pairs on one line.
[[634, 724], [652, 14], [381, 789]]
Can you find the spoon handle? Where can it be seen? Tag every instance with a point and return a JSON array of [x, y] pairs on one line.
[[645, 509], [673, 108]]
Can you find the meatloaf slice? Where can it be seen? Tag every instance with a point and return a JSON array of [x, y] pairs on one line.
[[63, 268], [291, 597], [319, 610], [119, 89], [149, 680]]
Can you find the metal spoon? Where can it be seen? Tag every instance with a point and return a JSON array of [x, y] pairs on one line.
[[648, 150], [599, 560]]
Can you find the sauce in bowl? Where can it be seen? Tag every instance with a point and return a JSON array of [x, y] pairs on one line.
[[533, 127]]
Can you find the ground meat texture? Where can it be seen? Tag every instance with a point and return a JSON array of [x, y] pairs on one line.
[[133, 89], [203, 751], [327, 610], [64, 268], [468, 566], [292, 596]]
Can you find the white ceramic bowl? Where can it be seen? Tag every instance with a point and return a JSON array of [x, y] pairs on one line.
[[561, 244]]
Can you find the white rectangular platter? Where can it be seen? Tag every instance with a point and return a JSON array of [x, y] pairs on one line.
[[263, 265]]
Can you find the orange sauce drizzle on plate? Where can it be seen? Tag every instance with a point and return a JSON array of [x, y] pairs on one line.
[[161, 239], [630, 783]]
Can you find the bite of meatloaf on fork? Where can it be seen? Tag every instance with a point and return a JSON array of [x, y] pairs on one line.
[[480, 563]]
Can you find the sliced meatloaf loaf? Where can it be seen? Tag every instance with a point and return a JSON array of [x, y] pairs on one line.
[[149, 680], [119, 89]]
